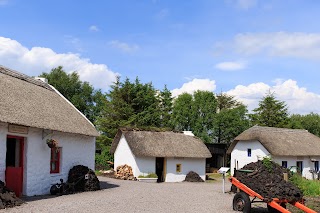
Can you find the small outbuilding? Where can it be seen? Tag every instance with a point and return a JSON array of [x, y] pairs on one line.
[[292, 148], [170, 155], [33, 112]]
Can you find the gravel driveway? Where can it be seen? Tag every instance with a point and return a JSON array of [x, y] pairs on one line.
[[134, 196]]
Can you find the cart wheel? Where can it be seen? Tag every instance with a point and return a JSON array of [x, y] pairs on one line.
[[273, 210], [241, 202]]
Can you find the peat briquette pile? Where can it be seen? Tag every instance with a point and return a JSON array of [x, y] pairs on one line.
[[7, 197], [77, 175], [193, 177], [268, 181]]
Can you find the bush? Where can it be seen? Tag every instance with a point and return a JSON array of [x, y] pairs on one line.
[[102, 159], [309, 187]]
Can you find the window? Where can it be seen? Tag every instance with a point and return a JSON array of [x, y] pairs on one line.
[[285, 164], [299, 167], [178, 167], [249, 152], [55, 160], [316, 166]]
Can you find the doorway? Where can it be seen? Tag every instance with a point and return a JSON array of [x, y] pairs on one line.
[[14, 164], [159, 169]]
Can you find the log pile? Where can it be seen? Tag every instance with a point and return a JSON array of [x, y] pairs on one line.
[[77, 175], [268, 181], [193, 177], [8, 198], [124, 172]]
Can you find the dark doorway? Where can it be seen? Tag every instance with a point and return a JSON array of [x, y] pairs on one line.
[[159, 169], [11, 152]]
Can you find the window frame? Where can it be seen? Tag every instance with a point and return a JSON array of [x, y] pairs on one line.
[[55, 151], [249, 152], [316, 166], [284, 164]]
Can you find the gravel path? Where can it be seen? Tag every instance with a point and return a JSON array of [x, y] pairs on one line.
[[134, 196]]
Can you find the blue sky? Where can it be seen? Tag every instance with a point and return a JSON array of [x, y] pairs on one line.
[[242, 47]]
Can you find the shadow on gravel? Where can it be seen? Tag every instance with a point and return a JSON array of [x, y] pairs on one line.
[[106, 185], [103, 185]]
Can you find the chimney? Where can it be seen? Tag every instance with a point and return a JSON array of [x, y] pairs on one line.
[[41, 79]]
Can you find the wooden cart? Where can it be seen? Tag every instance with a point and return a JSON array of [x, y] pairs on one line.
[[242, 202]]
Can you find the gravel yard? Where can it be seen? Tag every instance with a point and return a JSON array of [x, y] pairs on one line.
[[134, 196]]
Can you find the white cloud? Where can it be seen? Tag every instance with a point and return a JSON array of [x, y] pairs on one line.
[[74, 42], [4, 2], [231, 65], [94, 28], [194, 85], [242, 4], [162, 14], [300, 45], [36, 60], [298, 99], [124, 47], [246, 4]]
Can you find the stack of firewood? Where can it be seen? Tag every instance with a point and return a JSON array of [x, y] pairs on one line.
[[124, 172]]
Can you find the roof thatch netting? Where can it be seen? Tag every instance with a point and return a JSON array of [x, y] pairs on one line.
[[29, 102], [162, 144], [281, 141]]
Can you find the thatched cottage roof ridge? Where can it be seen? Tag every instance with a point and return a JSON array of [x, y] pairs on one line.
[[30, 102], [281, 141], [162, 144]]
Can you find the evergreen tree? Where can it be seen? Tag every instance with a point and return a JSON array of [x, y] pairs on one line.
[[271, 112], [166, 107]]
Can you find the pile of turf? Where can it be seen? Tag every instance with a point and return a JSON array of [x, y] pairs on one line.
[[8, 198], [267, 180], [193, 177], [84, 178]]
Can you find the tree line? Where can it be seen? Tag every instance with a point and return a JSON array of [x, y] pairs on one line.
[[215, 118]]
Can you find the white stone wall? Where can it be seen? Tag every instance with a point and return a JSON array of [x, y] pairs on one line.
[[145, 165], [239, 154], [123, 155], [197, 165], [292, 161], [76, 149]]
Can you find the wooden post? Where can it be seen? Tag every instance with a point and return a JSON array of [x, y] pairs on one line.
[[285, 176]]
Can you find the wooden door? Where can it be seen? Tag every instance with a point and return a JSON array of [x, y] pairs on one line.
[[14, 164]]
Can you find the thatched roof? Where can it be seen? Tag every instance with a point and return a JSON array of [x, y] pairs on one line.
[[30, 102], [161, 144], [281, 141]]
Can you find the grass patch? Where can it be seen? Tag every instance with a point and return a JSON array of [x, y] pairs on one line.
[[151, 175], [97, 172], [308, 187]]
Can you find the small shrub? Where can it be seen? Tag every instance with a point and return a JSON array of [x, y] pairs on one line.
[[267, 162], [309, 187]]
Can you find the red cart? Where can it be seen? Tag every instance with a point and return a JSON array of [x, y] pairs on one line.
[[242, 202]]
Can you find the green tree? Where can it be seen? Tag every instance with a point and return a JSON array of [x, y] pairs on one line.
[[166, 107], [81, 94], [231, 119], [182, 112], [203, 111], [271, 112], [310, 122]]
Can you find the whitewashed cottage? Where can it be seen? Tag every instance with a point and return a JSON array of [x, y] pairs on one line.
[[292, 148], [171, 155], [31, 111]]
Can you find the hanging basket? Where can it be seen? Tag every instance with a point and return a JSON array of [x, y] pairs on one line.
[[52, 143]]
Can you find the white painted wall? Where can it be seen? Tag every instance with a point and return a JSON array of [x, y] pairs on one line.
[[145, 165], [239, 154], [292, 161], [76, 149], [197, 165], [123, 155]]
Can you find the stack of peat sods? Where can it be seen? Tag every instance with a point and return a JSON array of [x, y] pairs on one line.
[[84, 179], [124, 172], [193, 177], [7, 197], [267, 180]]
